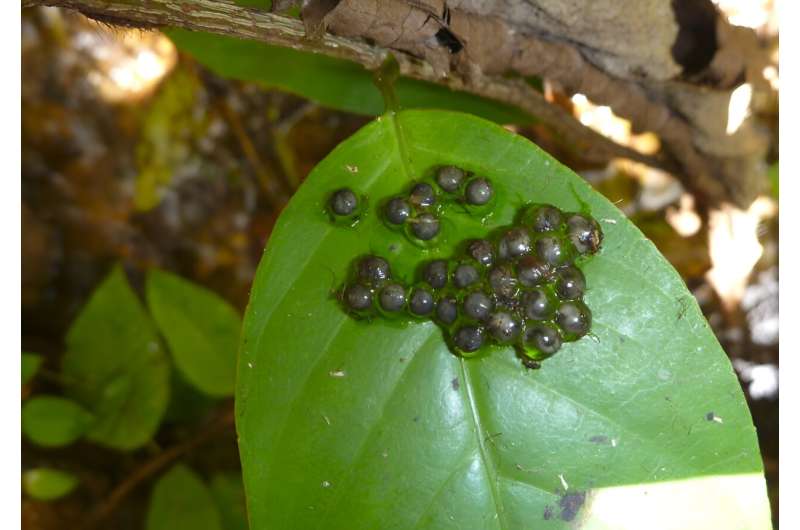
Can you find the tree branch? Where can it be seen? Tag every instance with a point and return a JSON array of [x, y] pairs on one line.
[[225, 18]]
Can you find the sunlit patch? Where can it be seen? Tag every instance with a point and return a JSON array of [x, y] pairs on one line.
[[761, 379], [747, 13], [732, 502], [734, 247], [684, 219], [738, 107], [128, 63]]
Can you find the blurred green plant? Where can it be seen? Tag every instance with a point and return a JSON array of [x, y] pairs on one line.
[[31, 363], [120, 383], [45, 484]]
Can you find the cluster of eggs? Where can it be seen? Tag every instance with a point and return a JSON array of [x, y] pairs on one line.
[[419, 211], [522, 288]]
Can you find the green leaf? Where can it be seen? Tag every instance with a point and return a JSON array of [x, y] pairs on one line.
[[228, 492], [46, 484], [52, 421], [180, 499], [116, 366], [30, 365], [331, 82], [201, 329], [351, 425]]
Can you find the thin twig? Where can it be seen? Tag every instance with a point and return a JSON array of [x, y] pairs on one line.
[[223, 421]]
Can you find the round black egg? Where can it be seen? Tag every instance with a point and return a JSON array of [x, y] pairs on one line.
[[422, 195], [425, 226], [570, 282], [397, 210], [532, 271], [545, 218], [392, 298], [373, 271], [449, 178], [543, 338], [537, 305], [551, 250], [435, 273], [477, 305], [343, 202], [584, 233], [502, 281], [479, 191], [574, 318], [514, 243], [421, 302], [481, 251], [357, 297], [465, 275], [469, 338], [503, 327], [447, 310]]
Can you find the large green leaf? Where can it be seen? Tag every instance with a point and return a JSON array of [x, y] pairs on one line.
[[332, 82], [116, 367], [350, 425], [181, 500], [201, 329]]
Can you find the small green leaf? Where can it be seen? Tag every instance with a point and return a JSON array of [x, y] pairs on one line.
[[228, 491], [47, 484], [201, 329], [331, 82], [52, 421], [116, 367], [180, 499], [30, 365]]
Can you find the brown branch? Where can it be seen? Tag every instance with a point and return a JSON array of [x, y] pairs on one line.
[[223, 421], [225, 18]]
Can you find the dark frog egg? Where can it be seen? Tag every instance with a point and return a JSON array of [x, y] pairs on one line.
[[447, 310], [422, 195], [435, 273], [469, 339], [392, 298], [479, 191], [503, 327], [425, 226], [537, 305], [421, 302], [584, 233], [532, 271], [514, 243], [343, 202], [465, 275], [570, 282], [477, 305], [481, 251], [373, 271], [397, 210], [544, 218], [543, 338], [551, 250], [502, 281], [357, 297], [449, 178], [575, 319]]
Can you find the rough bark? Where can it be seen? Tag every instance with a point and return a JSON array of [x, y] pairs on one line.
[[667, 67]]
